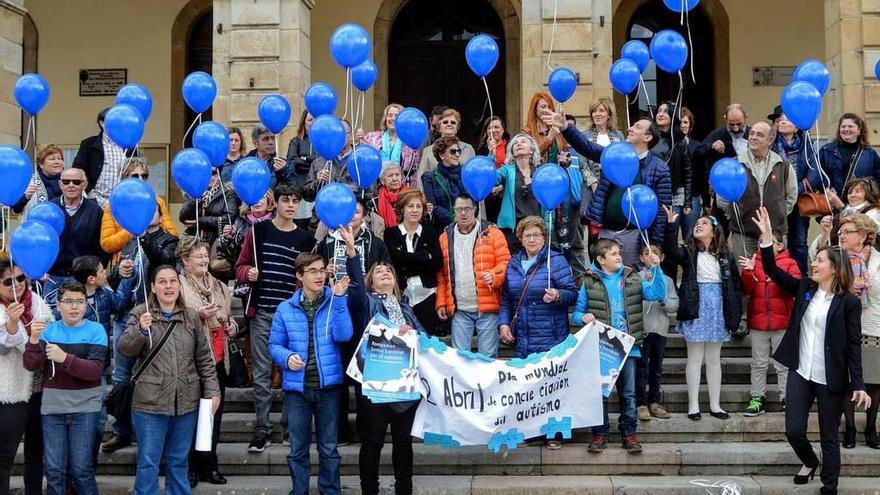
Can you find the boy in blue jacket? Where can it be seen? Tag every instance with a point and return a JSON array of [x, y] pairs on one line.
[[306, 339], [613, 294]]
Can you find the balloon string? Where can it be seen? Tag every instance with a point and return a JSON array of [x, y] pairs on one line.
[[552, 37], [489, 97], [823, 177], [185, 134], [3, 227], [254, 243], [628, 125], [741, 227], [31, 127], [223, 192], [347, 89], [690, 44], [144, 280], [549, 242], [682, 12], [197, 217], [643, 234], [647, 96]]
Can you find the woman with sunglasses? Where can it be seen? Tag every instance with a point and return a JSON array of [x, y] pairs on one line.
[[113, 236], [822, 352], [218, 208], [449, 124], [21, 391], [443, 184]]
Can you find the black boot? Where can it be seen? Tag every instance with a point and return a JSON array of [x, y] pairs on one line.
[[849, 438]]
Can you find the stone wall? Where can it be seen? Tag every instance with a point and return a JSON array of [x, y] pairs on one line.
[[11, 16], [870, 34]]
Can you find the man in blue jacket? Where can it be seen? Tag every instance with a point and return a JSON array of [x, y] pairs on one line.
[[307, 334], [605, 211]]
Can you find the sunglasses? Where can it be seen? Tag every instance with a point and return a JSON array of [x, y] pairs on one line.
[[449, 122], [9, 281], [143, 176], [75, 182], [455, 151]]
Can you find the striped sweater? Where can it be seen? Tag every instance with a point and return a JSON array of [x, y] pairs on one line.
[[73, 386]]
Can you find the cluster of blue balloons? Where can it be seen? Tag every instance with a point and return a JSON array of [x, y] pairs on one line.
[[802, 99]]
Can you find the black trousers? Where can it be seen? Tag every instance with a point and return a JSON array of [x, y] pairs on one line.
[[373, 421], [206, 462], [22, 419], [649, 369], [799, 397], [426, 313]]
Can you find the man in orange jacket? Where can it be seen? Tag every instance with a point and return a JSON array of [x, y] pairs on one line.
[[475, 257]]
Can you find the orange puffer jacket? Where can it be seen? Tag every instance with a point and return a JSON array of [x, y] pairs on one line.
[[114, 237], [490, 255]]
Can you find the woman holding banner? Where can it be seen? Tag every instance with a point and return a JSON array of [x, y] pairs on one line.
[[379, 294]]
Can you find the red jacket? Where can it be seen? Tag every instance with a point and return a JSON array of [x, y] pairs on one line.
[[770, 307]]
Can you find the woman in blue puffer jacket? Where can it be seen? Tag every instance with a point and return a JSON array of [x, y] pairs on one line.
[[533, 313]]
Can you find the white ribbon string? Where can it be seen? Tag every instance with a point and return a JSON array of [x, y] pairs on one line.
[[185, 134], [628, 124], [254, 243], [549, 243], [739, 222], [690, 45], [144, 281], [197, 217], [347, 90], [31, 128], [489, 98], [223, 192], [552, 37], [643, 234], [3, 219], [647, 96]]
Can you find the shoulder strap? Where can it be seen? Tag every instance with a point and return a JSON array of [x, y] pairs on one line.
[[153, 352], [854, 161], [522, 294]]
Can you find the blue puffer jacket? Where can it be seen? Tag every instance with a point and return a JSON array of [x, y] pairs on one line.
[[290, 335], [832, 163], [539, 325], [800, 153]]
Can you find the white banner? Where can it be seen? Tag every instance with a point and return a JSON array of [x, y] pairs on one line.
[[469, 399]]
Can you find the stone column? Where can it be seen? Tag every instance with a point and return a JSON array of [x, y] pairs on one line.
[[11, 31], [264, 48], [871, 39]]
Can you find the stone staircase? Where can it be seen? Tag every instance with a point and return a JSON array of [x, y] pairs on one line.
[[680, 456]]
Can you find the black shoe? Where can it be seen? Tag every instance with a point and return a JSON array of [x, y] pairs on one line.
[[695, 416], [214, 478], [193, 480], [802, 480], [872, 440], [115, 443], [719, 415], [259, 443], [849, 438]]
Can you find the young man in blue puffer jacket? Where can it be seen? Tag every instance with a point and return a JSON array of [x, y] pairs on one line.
[[306, 339]]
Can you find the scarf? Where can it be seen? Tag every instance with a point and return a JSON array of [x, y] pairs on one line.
[[51, 185], [500, 153], [209, 195], [26, 300], [442, 176], [789, 151], [390, 153], [860, 283], [255, 219], [198, 295], [386, 205]]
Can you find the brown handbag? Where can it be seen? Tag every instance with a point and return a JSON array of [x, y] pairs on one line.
[[812, 203]]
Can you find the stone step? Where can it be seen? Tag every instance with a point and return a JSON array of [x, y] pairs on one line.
[[522, 485], [668, 459]]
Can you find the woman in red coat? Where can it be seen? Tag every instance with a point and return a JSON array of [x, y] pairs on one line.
[[768, 314]]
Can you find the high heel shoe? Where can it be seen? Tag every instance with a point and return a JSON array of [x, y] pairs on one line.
[[803, 479], [849, 438]]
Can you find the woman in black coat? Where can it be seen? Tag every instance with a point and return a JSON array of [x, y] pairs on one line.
[[415, 253], [822, 350]]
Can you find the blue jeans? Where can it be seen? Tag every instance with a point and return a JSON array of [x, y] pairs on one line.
[[486, 324], [122, 369], [68, 445], [626, 394], [798, 228], [301, 407], [158, 433]]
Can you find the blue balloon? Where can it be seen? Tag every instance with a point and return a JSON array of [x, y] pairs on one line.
[[31, 92], [669, 50], [251, 179], [412, 127], [364, 165], [802, 103], [320, 98], [679, 5], [350, 45], [620, 163], [636, 51], [335, 205], [877, 70], [729, 179], [478, 177], [138, 96], [274, 112], [199, 91], [34, 247], [639, 204], [328, 136], [813, 72], [562, 83], [124, 125], [50, 213], [550, 185], [191, 170], [16, 170], [213, 139], [624, 75], [364, 75], [133, 204], [481, 54]]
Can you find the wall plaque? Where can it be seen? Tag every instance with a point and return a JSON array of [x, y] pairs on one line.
[[101, 82], [772, 75]]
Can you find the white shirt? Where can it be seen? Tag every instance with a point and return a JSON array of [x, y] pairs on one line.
[[465, 278], [114, 160], [708, 269], [415, 291], [603, 138], [812, 342]]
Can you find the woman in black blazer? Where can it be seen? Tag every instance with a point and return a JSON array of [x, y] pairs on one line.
[[415, 253], [826, 318]]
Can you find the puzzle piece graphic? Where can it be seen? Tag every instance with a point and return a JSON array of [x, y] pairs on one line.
[[523, 362], [554, 426], [426, 343], [475, 355], [561, 348], [443, 440], [510, 439]]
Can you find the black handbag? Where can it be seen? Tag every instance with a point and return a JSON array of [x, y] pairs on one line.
[[238, 374], [118, 401]]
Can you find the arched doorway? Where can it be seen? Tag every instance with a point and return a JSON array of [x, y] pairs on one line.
[[640, 19], [426, 62], [199, 57]]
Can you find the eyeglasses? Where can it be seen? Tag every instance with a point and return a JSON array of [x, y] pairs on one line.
[[143, 176], [315, 271], [73, 302], [9, 281], [75, 182], [464, 209], [449, 122], [455, 151], [842, 232], [530, 237]]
